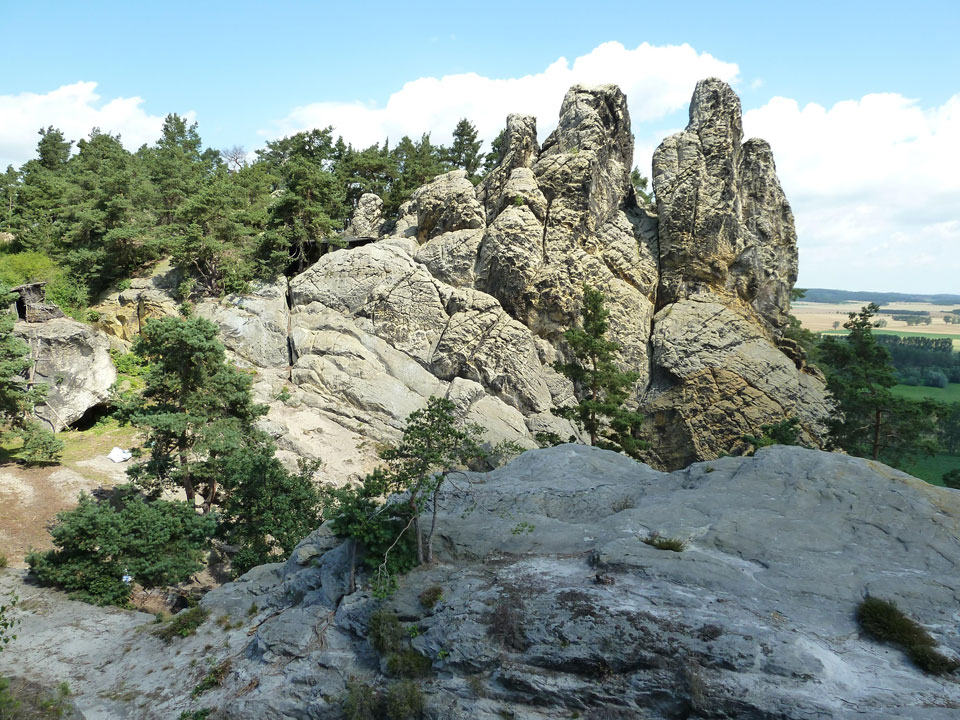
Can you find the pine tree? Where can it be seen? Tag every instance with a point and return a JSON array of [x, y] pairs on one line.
[[196, 409], [601, 387], [465, 151], [871, 421]]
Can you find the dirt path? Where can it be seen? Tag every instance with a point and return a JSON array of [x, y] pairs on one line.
[[30, 498]]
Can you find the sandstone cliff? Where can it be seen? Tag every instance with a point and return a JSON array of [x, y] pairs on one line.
[[469, 292]]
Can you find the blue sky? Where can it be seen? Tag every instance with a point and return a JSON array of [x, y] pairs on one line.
[[860, 100]]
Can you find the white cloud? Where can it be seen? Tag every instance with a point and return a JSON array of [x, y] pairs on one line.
[[656, 80], [874, 188], [75, 109]]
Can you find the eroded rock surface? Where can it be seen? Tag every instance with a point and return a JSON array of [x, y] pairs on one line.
[[73, 361], [553, 606]]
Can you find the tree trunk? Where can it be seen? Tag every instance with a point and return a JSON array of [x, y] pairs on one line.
[[876, 435], [416, 528], [433, 524]]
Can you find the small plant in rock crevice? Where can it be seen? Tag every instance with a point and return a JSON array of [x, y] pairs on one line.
[[431, 596], [183, 624], [664, 543], [884, 621]]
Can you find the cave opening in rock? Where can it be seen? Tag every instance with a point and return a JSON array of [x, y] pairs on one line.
[[92, 416]]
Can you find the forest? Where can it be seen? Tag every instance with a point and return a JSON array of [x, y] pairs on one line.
[[82, 216]]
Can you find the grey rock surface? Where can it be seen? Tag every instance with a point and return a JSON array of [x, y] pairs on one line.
[[73, 361], [367, 220], [553, 606]]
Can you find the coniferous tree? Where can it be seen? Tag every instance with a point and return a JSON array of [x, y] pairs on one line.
[[196, 408], [871, 421], [601, 388], [493, 158], [464, 152]]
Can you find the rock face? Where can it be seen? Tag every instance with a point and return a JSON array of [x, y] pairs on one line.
[[469, 292], [479, 285], [553, 606], [728, 260], [74, 362]]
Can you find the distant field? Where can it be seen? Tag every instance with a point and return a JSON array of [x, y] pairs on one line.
[[820, 317], [932, 468], [949, 394]]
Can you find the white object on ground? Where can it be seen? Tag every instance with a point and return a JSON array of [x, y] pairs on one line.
[[118, 455]]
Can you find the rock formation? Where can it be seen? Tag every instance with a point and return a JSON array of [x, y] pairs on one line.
[[478, 286], [73, 361], [552, 606], [468, 293]]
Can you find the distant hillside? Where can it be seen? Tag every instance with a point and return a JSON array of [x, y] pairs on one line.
[[823, 295]]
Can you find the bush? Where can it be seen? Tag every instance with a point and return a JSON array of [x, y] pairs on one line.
[[408, 663], [505, 624], [40, 445], [97, 544], [214, 678], [183, 624], [884, 621], [951, 479], [360, 702], [431, 596], [385, 632], [403, 700]]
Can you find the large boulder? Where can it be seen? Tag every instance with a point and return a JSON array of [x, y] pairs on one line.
[[552, 605], [73, 361]]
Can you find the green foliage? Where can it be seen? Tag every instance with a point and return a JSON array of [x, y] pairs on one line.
[[9, 705], [7, 623], [408, 663], [40, 446], [885, 622], [99, 542], [265, 510], [642, 186], [213, 679], [785, 432], [497, 149], [183, 624], [465, 151], [402, 701], [431, 596], [360, 701], [871, 420], [664, 543], [385, 632], [195, 411], [433, 445], [951, 479], [201, 714], [601, 387]]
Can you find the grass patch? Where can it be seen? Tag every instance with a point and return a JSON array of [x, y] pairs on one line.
[[884, 621], [930, 468], [213, 679], [949, 394], [431, 596], [385, 632], [183, 624], [661, 542]]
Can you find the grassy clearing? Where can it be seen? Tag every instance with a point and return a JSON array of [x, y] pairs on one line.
[[931, 468], [949, 394]]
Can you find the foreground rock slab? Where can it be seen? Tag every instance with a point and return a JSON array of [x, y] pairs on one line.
[[552, 605]]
